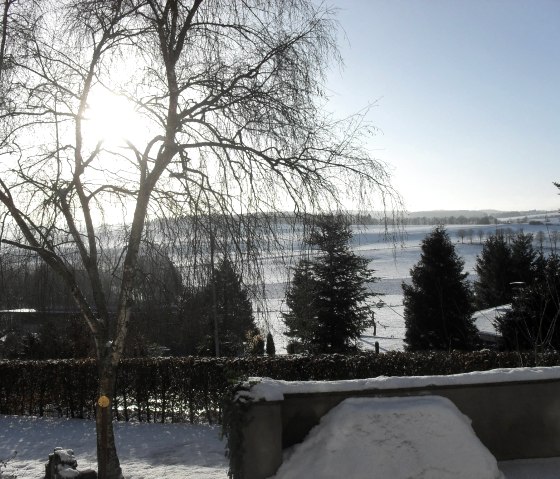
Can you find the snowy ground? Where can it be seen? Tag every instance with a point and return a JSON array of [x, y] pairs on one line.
[[146, 451], [170, 451]]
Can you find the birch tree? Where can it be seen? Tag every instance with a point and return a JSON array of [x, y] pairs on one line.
[[226, 102]]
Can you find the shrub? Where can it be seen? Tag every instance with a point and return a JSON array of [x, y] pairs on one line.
[[192, 388]]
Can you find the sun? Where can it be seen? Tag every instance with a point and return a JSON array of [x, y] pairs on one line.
[[114, 121], [111, 119]]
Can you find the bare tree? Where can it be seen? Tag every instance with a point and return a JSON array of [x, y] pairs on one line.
[[554, 236], [230, 99], [540, 238], [480, 234]]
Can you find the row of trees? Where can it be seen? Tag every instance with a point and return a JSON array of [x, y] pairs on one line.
[[328, 297], [215, 317], [541, 237], [452, 220], [328, 300], [440, 301], [211, 314]]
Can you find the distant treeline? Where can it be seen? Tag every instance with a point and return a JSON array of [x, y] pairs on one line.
[[369, 219]]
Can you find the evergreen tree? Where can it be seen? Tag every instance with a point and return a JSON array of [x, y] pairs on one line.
[[438, 303], [270, 346], [523, 257], [493, 267], [302, 301], [327, 297], [233, 309], [157, 293], [501, 266], [532, 322]]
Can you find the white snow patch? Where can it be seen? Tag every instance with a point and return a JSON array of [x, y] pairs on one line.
[[274, 390], [421, 437], [485, 319], [20, 310], [66, 455]]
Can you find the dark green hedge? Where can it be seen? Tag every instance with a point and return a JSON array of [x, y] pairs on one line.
[[192, 389]]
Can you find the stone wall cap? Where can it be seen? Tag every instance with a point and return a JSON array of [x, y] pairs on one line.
[[266, 389]]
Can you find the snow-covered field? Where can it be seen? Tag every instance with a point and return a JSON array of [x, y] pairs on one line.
[[392, 264]]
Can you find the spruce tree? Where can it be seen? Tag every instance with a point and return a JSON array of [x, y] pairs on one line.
[[270, 346], [438, 303], [233, 309], [501, 266], [493, 267], [523, 257], [532, 322], [301, 319], [327, 297]]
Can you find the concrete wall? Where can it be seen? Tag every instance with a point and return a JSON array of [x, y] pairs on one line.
[[514, 420]]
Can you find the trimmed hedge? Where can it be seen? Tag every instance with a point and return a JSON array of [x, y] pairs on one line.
[[193, 388]]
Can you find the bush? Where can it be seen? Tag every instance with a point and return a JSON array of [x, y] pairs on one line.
[[192, 388]]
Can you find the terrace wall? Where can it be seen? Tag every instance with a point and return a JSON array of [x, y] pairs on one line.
[[514, 420]]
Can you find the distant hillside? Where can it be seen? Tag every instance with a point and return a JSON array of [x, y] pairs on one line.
[[478, 213]]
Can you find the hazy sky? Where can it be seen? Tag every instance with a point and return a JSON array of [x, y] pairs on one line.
[[467, 97]]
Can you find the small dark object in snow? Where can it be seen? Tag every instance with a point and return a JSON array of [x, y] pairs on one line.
[[87, 474], [63, 465]]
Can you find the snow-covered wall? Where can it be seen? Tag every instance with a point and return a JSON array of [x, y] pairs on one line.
[[514, 412], [275, 390]]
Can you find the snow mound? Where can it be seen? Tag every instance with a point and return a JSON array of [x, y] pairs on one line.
[[418, 437]]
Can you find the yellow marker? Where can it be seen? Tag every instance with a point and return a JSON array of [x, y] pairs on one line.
[[103, 401]]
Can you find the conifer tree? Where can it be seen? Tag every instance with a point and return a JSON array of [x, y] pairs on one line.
[[301, 319], [532, 322], [438, 303], [501, 266], [493, 267], [270, 346], [523, 257], [327, 298], [225, 297]]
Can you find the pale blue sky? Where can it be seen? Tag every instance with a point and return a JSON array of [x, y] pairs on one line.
[[468, 97]]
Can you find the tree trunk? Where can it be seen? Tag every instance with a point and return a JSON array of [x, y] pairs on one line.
[[107, 459]]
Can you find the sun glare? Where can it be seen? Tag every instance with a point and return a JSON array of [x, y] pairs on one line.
[[112, 119]]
